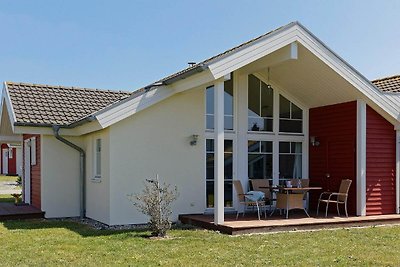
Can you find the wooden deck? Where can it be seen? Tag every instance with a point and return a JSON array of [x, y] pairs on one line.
[[296, 221], [9, 211]]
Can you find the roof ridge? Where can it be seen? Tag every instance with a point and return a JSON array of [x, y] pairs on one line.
[[386, 78], [67, 87]]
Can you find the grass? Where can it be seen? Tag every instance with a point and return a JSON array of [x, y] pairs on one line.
[[4, 178], [6, 198], [48, 243]]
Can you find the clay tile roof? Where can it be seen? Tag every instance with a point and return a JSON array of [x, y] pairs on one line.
[[46, 104], [388, 84]]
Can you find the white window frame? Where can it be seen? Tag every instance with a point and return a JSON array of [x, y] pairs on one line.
[[259, 117], [290, 116], [96, 154], [233, 116], [241, 135]]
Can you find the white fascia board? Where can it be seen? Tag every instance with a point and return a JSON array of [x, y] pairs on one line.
[[130, 107], [362, 84], [5, 99], [259, 49], [201, 79]]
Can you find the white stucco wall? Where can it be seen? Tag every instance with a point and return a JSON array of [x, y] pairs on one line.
[[157, 141], [59, 177], [98, 190]]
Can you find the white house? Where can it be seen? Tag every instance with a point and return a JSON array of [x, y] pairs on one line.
[[248, 112]]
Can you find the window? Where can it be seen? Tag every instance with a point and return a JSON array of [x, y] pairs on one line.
[[228, 106], [260, 105], [290, 117], [97, 163], [260, 159], [10, 153], [228, 171], [290, 160]]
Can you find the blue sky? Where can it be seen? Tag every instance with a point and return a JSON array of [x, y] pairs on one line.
[[126, 44]]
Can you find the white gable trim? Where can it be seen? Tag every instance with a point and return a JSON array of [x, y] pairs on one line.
[[259, 49], [297, 33], [347, 72], [5, 98], [289, 35]]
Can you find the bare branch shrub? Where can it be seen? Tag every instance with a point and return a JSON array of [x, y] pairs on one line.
[[155, 201]]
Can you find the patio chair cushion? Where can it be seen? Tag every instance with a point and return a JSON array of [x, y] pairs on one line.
[[255, 196]]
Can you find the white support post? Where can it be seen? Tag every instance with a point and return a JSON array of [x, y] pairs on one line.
[[397, 171], [240, 84], [361, 157], [275, 148], [219, 152]]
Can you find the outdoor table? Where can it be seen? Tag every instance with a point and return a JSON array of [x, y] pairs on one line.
[[288, 199]]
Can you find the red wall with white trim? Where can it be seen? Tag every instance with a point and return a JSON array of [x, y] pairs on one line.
[[35, 172], [12, 162], [334, 127]]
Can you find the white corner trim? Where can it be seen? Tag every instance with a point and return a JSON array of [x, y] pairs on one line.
[[361, 157], [397, 171]]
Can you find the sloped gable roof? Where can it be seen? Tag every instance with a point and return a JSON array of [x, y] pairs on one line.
[[389, 84], [46, 105]]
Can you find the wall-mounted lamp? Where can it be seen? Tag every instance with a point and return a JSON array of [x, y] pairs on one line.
[[194, 139], [314, 141]]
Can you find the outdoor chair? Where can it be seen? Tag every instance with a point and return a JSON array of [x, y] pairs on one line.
[[248, 199], [304, 183], [336, 197], [262, 185]]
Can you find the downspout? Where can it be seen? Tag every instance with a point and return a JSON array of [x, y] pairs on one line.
[[82, 165]]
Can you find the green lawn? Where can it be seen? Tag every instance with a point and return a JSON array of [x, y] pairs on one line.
[[6, 198], [4, 178], [66, 243]]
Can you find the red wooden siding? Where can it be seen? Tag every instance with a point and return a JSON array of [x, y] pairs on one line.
[[35, 173], [12, 162], [335, 128], [381, 165]]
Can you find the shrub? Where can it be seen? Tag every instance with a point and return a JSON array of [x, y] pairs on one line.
[[155, 201]]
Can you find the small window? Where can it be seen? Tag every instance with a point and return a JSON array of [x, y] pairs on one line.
[[10, 153], [290, 117], [97, 162]]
